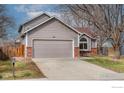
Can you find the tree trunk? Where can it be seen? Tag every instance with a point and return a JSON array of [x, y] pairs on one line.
[[117, 52], [100, 51]]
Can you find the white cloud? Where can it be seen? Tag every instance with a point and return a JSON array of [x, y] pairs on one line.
[[32, 11], [33, 14], [21, 8], [28, 8]]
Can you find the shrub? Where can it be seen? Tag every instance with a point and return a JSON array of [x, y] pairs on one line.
[[20, 65], [1, 76], [25, 73]]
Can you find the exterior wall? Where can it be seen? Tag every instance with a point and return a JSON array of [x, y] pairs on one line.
[[93, 52], [122, 39], [35, 22], [122, 50], [85, 53], [93, 44], [76, 52], [110, 52], [23, 40], [52, 30], [29, 51]]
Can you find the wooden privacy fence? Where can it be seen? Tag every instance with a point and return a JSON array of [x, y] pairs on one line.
[[7, 52]]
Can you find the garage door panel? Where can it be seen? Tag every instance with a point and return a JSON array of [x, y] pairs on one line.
[[52, 49]]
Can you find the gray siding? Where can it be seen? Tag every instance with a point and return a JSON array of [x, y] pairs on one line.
[[23, 41], [122, 50], [35, 22], [53, 30], [93, 44]]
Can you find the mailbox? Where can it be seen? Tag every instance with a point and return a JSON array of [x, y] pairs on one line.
[[13, 61], [13, 67]]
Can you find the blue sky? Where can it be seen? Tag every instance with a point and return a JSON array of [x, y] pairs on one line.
[[22, 13]]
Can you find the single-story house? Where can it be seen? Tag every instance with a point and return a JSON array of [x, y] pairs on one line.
[[49, 37]]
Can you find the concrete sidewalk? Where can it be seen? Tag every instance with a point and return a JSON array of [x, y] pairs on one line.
[[67, 69]]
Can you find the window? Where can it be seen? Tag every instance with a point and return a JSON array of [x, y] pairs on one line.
[[83, 43], [83, 40]]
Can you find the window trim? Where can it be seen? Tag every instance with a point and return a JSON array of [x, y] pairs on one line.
[[83, 42]]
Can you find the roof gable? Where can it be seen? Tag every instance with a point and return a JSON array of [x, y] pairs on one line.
[[86, 31], [43, 14], [50, 19], [32, 19]]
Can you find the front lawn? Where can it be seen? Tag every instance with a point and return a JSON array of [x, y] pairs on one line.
[[22, 70], [107, 62]]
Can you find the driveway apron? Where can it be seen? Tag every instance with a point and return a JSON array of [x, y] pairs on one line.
[[69, 69]]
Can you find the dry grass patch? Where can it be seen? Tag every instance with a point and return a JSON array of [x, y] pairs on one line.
[[108, 62], [22, 71]]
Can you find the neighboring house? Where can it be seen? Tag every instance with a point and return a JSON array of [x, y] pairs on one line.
[[122, 48], [107, 48], [49, 37]]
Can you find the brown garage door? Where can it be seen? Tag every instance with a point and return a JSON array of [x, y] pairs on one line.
[[52, 48]]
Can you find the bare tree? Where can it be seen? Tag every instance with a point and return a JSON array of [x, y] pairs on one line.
[[106, 19], [70, 18], [5, 21]]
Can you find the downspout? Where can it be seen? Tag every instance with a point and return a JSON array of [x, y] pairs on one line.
[[79, 45], [73, 50], [26, 44]]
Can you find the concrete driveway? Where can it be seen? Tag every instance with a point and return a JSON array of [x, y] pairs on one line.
[[68, 69]]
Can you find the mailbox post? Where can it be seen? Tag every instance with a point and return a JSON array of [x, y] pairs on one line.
[[13, 67]]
